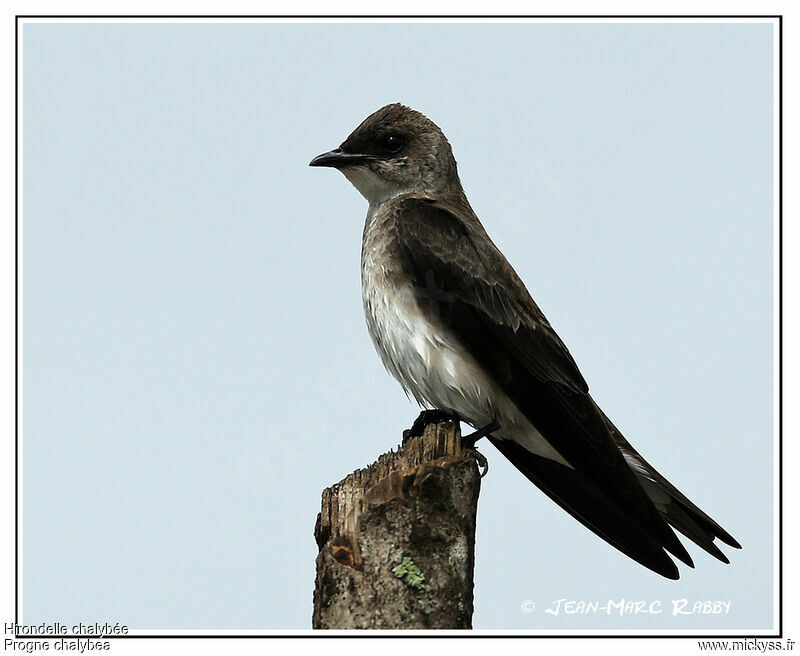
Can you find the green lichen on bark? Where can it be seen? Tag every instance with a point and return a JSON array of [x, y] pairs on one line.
[[411, 575]]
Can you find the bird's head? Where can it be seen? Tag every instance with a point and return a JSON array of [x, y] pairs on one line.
[[395, 151]]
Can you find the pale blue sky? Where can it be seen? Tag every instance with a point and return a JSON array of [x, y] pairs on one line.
[[196, 364]]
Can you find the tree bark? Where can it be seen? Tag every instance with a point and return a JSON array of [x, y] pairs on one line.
[[397, 539]]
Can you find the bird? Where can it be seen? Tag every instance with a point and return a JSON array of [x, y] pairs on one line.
[[456, 326]]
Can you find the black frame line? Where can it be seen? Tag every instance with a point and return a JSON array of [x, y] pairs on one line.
[[359, 634]]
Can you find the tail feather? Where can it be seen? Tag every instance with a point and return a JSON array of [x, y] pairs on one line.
[[673, 505], [586, 503], [686, 525], [581, 498], [680, 512]]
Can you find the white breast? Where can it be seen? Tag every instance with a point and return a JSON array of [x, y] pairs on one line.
[[427, 358]]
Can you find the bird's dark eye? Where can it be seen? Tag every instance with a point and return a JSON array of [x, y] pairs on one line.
[[392, 143]]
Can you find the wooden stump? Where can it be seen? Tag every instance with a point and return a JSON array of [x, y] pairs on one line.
[[397, 539]]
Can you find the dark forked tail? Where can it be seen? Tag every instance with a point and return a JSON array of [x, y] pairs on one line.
[[611, 521], [673, 505]]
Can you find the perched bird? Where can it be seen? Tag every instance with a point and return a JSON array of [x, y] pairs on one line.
[[455, 325]]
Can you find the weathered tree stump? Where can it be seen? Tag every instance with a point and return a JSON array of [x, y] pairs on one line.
[[397, 539]]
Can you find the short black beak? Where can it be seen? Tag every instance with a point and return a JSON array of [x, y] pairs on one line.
[[338, 157]]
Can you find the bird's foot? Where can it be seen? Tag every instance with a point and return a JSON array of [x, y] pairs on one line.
[[468, 441], [425, 418], [480, 460], [468, 444]]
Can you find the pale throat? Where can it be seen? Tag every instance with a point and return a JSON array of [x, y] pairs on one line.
[[375, 188]]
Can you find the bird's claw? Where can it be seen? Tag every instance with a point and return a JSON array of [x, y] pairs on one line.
[[427, 417], [468, 444], [480, 460]]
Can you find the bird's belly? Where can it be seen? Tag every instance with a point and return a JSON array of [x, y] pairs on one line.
[[426, 360], [438, 371]]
